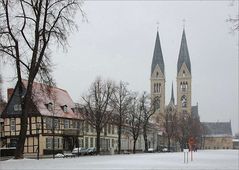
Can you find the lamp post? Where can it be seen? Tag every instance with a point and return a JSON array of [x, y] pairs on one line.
[[38, 141], [53, 135]]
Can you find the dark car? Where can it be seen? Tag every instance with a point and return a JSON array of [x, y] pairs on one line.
[[91, 151]]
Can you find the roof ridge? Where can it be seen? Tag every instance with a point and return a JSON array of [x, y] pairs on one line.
[[39, 83]]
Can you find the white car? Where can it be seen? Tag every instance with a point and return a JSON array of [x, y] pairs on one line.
[[151, 150], [165, 150], [59, 155]]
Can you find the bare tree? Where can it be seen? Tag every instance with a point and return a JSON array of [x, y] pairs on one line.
[[121, 99], [188, 127], [170, 125], [97, 109], [135, 120], [148, 110], [27, 30]]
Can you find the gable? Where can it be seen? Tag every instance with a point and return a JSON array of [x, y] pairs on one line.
[[13, 108]]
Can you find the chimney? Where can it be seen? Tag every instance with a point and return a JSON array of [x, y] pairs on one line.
[[9, 93]]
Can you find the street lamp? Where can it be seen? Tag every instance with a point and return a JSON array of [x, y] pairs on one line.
[[38, 137], [53, 129], [78, 142]]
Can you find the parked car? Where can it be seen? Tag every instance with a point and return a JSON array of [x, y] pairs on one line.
[[91, 151], [151, 150], [165, 149], [59, 155], [80, 151]]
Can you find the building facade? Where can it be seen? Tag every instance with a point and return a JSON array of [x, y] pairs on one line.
[[217, 135], [55, 123]]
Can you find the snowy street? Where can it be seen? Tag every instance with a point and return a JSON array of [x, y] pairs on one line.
[[203, 160]]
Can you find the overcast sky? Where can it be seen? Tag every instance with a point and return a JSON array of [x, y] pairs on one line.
[[118, 42]]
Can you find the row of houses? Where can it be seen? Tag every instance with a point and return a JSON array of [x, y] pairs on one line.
[[55, 124]]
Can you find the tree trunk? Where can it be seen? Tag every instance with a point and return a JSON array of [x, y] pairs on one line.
[[97, 141], [134, 149], [25, 109], [119, 139], [169, 144], [145, 140]]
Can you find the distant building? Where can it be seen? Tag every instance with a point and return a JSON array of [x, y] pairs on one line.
[[235, 143], [183, 107], [217, 135], [184, 78]]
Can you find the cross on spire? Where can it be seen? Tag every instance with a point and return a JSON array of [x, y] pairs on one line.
[[157, 25], [184, 21]]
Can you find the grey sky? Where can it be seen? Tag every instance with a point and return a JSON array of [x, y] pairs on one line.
[[118, 42]]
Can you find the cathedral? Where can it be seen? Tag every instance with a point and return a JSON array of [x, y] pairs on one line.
[[184, 79]]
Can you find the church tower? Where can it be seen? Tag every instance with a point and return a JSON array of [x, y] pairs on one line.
[[184, 78], [157, 80]]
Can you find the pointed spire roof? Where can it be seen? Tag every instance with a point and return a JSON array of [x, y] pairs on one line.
[[158, 56], [183, 54], [172, 95]]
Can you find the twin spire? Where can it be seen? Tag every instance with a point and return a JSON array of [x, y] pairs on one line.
[[182, 58]]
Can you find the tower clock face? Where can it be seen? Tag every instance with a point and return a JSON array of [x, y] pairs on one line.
[[184, 101]]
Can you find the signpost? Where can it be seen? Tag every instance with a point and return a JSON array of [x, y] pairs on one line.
[[185, 155]]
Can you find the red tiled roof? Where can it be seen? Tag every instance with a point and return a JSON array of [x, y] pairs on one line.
[[58, 97]]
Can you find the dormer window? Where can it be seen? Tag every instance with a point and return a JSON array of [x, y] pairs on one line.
[[49, 106], [64, 108]]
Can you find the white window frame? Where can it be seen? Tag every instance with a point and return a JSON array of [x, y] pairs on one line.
[[13, 124]]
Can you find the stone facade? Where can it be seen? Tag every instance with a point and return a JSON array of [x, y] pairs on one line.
[[217, 142], [217, 135], [184, 79], [184, 91]]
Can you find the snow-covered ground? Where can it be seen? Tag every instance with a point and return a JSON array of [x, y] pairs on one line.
[[203, 160]]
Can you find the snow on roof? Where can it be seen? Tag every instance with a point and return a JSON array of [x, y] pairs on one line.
[[44, 94], [217, 128]]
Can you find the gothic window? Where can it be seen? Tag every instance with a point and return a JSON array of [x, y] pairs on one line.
[[154, 87], [157, 74], [181, 86], [159, 86], [183, 73], [184, 101], [186, 85]]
